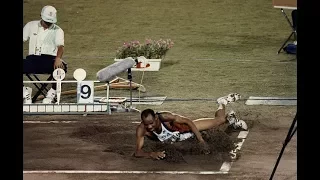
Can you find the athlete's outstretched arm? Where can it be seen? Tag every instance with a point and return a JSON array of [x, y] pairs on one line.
[[140, 131]]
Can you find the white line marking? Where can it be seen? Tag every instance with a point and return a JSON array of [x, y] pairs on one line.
[[283, 101], [243, 134], [120, 172], [239, 145], [47, 122], [226, 166], [136, 122], [243, 60], [285, 7]]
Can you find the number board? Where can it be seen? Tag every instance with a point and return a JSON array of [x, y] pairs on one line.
[[85, 92]]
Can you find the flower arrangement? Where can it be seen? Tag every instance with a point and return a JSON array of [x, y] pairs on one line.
[[151, 49]]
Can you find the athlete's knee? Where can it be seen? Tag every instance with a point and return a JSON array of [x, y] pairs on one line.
[[221, 119]]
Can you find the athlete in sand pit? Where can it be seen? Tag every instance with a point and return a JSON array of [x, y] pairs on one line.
[[169, 127]]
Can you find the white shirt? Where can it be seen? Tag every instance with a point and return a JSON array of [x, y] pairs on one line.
[[43, 41], [168, 136]]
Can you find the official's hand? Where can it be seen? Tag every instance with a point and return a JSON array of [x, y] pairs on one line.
[[158, 155], [58, 63], [205, 149]]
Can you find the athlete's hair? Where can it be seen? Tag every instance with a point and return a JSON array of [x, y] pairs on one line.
[[145, 113]]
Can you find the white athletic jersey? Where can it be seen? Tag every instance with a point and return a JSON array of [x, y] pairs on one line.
[[169, 136]]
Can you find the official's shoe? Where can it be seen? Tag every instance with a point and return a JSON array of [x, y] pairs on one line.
[[49, 97], [27, 91]]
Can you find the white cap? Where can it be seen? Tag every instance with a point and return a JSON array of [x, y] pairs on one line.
[[49, 14]]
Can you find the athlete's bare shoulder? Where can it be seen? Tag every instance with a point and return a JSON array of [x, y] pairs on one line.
[[167, 116], [165, 112], [140, 129]]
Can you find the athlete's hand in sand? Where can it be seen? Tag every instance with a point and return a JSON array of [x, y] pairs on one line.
[[205, 149], [158, 155]]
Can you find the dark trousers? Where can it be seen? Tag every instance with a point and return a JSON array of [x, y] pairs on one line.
[[43, 64]]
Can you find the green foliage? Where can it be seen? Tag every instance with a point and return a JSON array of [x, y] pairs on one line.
[[151, 49]]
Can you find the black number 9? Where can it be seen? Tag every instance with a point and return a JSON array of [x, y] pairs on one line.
[[87, 92]]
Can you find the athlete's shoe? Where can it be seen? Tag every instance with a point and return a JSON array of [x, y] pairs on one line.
[[230, 98], [235, 122]]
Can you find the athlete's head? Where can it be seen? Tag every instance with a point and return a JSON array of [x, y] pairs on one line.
[[148, 118]]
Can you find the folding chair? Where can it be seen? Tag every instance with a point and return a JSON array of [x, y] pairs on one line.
[[33, 75], [293, 26], [42, 87]]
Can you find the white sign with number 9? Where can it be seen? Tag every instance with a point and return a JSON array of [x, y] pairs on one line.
[[85, 92]]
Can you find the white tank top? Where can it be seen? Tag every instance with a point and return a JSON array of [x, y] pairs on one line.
[[169, 136]]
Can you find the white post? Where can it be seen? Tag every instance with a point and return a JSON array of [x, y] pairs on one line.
[[58, 74], [58, 90], [108, 102]]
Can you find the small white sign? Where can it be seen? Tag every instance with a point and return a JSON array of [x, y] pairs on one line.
[[85, 90], [79, 74], [59, 74]]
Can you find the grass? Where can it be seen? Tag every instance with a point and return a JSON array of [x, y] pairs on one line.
[[221, 46]]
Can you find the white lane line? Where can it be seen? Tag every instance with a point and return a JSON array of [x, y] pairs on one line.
[[278, 101], [47, 122], [243, 134], [120, 172], [226, 166], [244, 60]]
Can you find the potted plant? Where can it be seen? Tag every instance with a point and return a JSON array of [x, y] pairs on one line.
[[152, 51]]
